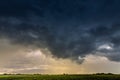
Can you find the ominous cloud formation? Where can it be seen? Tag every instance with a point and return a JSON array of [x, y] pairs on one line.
[[67, 28]]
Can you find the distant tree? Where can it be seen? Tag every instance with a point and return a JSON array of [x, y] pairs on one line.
[[100, 73], [5, 74], [104, 73], [110, 74]]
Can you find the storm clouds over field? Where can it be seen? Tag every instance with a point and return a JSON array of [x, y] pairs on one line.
[[59, 29]]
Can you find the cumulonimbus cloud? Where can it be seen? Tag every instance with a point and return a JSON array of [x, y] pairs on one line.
[[68, 29]]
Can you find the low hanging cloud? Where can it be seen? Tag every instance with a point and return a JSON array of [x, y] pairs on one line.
[[67, 29]]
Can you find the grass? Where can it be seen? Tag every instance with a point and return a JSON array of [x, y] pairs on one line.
[[59, 77]]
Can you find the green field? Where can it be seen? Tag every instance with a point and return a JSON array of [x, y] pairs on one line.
[[59, 77]]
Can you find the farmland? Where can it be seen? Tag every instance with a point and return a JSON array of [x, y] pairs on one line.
[[59, 77]]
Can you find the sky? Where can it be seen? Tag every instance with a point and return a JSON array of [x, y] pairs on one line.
[[60, 36]]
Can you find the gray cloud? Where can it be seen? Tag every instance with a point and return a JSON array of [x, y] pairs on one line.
[[68, 29]]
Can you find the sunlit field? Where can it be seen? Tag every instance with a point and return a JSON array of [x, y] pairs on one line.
[[59, 77]]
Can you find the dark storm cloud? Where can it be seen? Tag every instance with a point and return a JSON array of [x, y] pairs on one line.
[[109, 36], [67, 28]]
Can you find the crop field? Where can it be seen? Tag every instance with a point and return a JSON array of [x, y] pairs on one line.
[[59, 77]]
